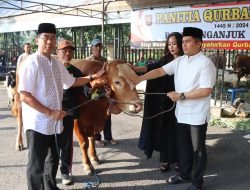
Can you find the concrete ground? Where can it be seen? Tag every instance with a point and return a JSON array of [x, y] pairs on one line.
[[125, 167]]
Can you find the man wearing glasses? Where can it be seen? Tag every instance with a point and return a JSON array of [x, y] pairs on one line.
[[41, 84]]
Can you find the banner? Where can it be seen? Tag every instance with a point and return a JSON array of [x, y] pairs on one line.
[[225, 26]]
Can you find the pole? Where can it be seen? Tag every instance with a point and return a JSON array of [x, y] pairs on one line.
[[103, 22]]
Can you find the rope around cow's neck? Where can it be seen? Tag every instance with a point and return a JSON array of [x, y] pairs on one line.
[[112, 101], [153, 116], [84, 103]]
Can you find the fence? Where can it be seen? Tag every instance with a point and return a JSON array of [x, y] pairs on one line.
[[8, 58], [130, 55], [125, 53]]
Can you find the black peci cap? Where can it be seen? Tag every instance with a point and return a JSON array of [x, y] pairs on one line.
[[46, 28], [192, 31]]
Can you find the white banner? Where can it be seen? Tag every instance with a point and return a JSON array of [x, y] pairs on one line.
[[31, 21], [225, 26]]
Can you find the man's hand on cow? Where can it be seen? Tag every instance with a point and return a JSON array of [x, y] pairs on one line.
[[57, 114], [101, 72], [174, 96], [132, 77], [132, 67], [138, 69]]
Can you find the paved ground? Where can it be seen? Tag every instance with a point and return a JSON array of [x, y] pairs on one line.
[[125, 167]]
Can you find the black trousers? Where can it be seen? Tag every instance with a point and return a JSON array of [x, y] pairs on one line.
[[106, 131], [192, 153], [43, 161], [66, 145]]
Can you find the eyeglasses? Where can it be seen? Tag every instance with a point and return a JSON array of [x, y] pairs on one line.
[[47, 38]]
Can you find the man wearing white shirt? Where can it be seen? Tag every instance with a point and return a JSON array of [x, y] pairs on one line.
[[194, 78], [27, 52], [41, 83]]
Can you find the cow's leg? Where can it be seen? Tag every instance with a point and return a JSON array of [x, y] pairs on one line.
[[92, 151], [83, 143], [9, 93], [19, 138]]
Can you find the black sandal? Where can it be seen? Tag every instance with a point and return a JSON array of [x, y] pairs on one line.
[[164, 167]]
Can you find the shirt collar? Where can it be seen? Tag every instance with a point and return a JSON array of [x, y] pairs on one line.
[[191, 58], [45, 57]]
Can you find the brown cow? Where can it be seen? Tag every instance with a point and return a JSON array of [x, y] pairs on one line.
[[13, 97], [94, 114], [242, 65], [16, 111]]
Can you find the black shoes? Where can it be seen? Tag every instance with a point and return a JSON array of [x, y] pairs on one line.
[[177, 179], [67, 179]]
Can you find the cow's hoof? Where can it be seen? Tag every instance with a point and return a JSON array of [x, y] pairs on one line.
[[19, 147], [88, 170], [95, 161], [99, 143]]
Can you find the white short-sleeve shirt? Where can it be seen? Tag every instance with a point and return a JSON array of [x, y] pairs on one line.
[[22, 57], [45, 80], [190, 73]]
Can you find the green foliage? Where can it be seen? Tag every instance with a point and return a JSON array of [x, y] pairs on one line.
[[64, 33], [234, 123], [215, 121], [84, 35], [1, 38]]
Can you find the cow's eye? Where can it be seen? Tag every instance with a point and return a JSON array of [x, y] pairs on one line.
[[117, 82]]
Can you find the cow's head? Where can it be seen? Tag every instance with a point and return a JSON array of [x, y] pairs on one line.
[[123, 92], [123, 95]]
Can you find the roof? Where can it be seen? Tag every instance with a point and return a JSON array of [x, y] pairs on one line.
[[13, 8], [24, 15]]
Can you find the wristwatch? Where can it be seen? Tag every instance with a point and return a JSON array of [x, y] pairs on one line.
[[182, 96]]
